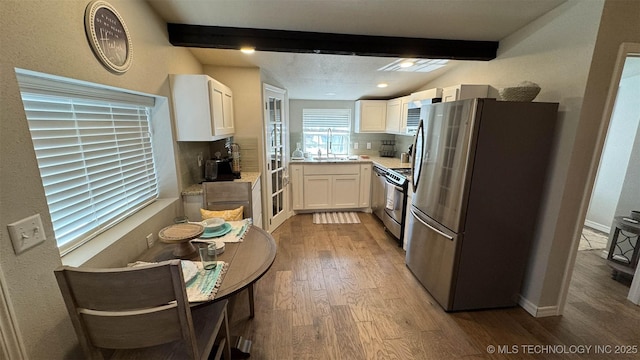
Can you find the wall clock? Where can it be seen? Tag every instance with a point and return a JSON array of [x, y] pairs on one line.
[[108, 36]]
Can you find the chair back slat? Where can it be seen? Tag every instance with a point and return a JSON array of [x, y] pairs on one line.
[[228, 195], [121, 288], [133, 330]]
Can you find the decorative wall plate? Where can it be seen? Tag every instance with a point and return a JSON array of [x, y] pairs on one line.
[[108, 36]]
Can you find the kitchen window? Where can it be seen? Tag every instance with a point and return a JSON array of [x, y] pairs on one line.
[[94, 152], [326, 129]]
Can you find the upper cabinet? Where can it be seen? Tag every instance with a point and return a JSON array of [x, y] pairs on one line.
[[464, 91], [203, 108], [394, 116], [371, 116]]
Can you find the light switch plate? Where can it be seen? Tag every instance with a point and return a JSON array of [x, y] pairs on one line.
[[26, 233]]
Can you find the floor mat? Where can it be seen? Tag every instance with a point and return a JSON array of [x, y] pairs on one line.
[[592, 239], [336, 218]]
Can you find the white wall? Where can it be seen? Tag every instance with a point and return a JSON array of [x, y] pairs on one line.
[[616, 154], [48, 36]]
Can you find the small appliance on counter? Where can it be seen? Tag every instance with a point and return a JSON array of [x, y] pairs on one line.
[[218, 170]]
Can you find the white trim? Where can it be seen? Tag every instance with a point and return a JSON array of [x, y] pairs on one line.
[[547, 311], [634, 291], [536, 311], [595, 225], [11, 342], [625, 48]]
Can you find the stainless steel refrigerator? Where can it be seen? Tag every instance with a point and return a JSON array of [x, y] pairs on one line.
[[478, 175]]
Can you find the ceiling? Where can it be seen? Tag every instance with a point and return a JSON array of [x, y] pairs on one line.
[[343, 77]]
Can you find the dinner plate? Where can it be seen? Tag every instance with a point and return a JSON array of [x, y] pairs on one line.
[[226, 228], [189, 270]]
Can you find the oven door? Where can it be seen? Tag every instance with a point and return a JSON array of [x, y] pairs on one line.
[[393, 208]]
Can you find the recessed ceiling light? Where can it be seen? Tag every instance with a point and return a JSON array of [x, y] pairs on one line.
[[248, 50], [406, 64], [330, 94], [383, 85]]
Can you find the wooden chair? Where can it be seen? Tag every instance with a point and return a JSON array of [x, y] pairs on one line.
[[141, 313], [226, 195]]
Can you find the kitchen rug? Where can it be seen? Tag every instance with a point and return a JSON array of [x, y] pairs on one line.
[[336, 218]]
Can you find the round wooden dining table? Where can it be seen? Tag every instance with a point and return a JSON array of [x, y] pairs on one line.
[[248, 261]]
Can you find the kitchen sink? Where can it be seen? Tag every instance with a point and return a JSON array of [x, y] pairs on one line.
[[336, 158]]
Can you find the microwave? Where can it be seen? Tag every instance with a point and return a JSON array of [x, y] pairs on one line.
[[417, 107], [415, 112]]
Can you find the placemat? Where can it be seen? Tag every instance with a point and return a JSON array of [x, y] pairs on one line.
[[238, 231], [204, 286]]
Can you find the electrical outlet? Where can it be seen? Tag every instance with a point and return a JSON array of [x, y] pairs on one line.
[[26, 233], [355, 146], [150, 240], [368, 146]]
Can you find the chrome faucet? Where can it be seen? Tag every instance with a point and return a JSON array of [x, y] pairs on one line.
[[329, 136]]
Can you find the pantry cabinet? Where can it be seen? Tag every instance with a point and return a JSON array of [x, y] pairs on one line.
[[202, 108], [370, 116]]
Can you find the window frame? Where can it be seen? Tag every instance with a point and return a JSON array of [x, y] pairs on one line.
[[35, 84], [319, 121]]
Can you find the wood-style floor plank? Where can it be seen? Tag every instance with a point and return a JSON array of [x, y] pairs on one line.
[[344, 292]]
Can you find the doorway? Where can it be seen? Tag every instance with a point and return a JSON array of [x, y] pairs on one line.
[[616, 189], [276, 150]]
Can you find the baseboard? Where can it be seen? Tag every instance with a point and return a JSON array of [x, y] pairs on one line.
[[536, 311], [600, 227]]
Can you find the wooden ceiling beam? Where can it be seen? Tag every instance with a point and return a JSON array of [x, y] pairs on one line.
[[219, 37]]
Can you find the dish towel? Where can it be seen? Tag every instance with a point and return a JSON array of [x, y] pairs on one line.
[[391, 198], [238, 231]]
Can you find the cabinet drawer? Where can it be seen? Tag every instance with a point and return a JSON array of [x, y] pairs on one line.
[[332, 169]]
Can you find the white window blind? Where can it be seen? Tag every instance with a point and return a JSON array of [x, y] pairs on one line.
[[94, 153], [315, 127]]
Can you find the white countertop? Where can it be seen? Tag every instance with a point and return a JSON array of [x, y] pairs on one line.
[[386, 162]]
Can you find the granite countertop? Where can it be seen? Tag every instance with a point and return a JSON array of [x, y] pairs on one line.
[[247, 176]]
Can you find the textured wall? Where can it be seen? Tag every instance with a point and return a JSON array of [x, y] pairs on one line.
[[60, 48]]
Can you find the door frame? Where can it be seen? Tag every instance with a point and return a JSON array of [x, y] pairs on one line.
[[634, 292], [268, 224]]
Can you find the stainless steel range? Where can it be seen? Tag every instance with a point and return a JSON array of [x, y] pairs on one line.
[[395, 202]]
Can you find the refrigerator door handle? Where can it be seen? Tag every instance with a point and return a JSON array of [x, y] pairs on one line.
[[429, 226]]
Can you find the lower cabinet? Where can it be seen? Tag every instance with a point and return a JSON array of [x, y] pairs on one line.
[[327, 187]]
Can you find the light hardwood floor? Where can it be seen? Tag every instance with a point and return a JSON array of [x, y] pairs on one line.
[[344, 292]]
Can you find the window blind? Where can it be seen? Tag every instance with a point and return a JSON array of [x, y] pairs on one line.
[[315, 127], [95, 159], [324, 119]]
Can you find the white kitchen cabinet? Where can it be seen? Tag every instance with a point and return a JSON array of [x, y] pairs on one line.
[[464, 91], [371, 116], [394, 116], [365, 185], [297, 186], [202, 108], [317, 191], [330, 186]]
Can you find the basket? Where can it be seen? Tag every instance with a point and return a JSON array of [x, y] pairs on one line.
[[526, 91]]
